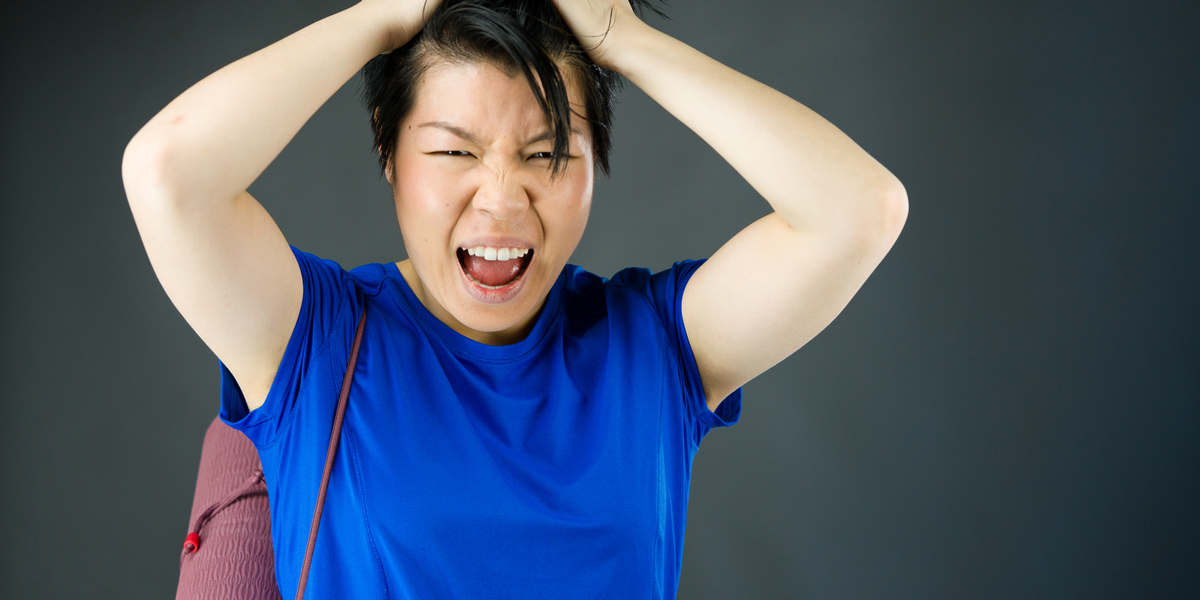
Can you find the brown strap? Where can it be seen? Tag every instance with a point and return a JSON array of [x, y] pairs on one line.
[[333, 444], [192, 542]]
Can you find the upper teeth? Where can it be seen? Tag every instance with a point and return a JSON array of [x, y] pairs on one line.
[[490, 253]]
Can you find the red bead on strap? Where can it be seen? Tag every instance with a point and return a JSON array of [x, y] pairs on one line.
[[191, 543]]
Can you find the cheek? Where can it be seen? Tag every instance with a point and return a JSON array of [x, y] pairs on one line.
[[573, 215], [425, 199]]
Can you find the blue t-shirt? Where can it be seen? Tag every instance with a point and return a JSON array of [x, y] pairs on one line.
[[556, 467]]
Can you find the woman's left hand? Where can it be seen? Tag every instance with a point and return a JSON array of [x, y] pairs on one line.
[[837, 211], [600, 26]]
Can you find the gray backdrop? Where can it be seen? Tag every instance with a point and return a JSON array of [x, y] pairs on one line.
[[1009, 408]]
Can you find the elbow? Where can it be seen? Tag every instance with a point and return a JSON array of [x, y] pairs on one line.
[[893, 208], [141, 168], [881, 217], [146, 172]]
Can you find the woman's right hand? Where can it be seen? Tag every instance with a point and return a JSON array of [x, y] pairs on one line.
[[404, 18]]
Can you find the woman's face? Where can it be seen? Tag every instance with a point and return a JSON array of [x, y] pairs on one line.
[[472, 184]]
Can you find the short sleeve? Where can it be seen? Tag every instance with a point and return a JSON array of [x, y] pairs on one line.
[[330, 301], [665, 293]]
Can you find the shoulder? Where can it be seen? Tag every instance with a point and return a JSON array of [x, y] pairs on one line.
[[370, 278], [662, 289], [334, 300], [583, 285], [588, 293], [629, 293], [325, 275]]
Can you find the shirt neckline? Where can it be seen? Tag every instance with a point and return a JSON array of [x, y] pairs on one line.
[[463, 345]]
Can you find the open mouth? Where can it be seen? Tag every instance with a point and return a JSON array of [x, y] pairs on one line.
[[494, 268]]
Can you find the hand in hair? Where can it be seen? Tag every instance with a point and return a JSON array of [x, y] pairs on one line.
[[599, 24], [407, 17]]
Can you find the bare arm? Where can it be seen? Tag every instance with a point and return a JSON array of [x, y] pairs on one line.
[[837, 211], [219, 255]]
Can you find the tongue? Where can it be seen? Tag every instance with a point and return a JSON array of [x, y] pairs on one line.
[[491, 272]]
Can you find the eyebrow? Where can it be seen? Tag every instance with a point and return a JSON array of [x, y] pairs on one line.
[[459, 131], [466, 135]]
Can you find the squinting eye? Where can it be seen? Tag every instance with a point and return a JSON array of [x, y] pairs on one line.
[[545, 155], [455, 153]]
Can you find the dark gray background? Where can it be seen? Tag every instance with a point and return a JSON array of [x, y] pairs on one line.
[[1009, 408]]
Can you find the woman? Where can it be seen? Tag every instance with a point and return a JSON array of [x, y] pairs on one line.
[[517, 426]]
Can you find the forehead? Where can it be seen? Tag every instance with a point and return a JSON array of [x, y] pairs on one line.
[[490, 101]]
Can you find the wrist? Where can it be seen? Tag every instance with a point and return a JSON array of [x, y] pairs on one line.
[[391, 27], [622, 44]]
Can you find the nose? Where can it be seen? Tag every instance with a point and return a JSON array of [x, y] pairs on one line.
[[501, 194]]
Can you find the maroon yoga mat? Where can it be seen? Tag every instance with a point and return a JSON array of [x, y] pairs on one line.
[[233, 557]]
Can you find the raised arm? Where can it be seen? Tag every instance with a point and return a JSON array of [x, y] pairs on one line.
[[837, 211], [219, 255]]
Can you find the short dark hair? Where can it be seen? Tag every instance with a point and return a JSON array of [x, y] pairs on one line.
[[525, 35]]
